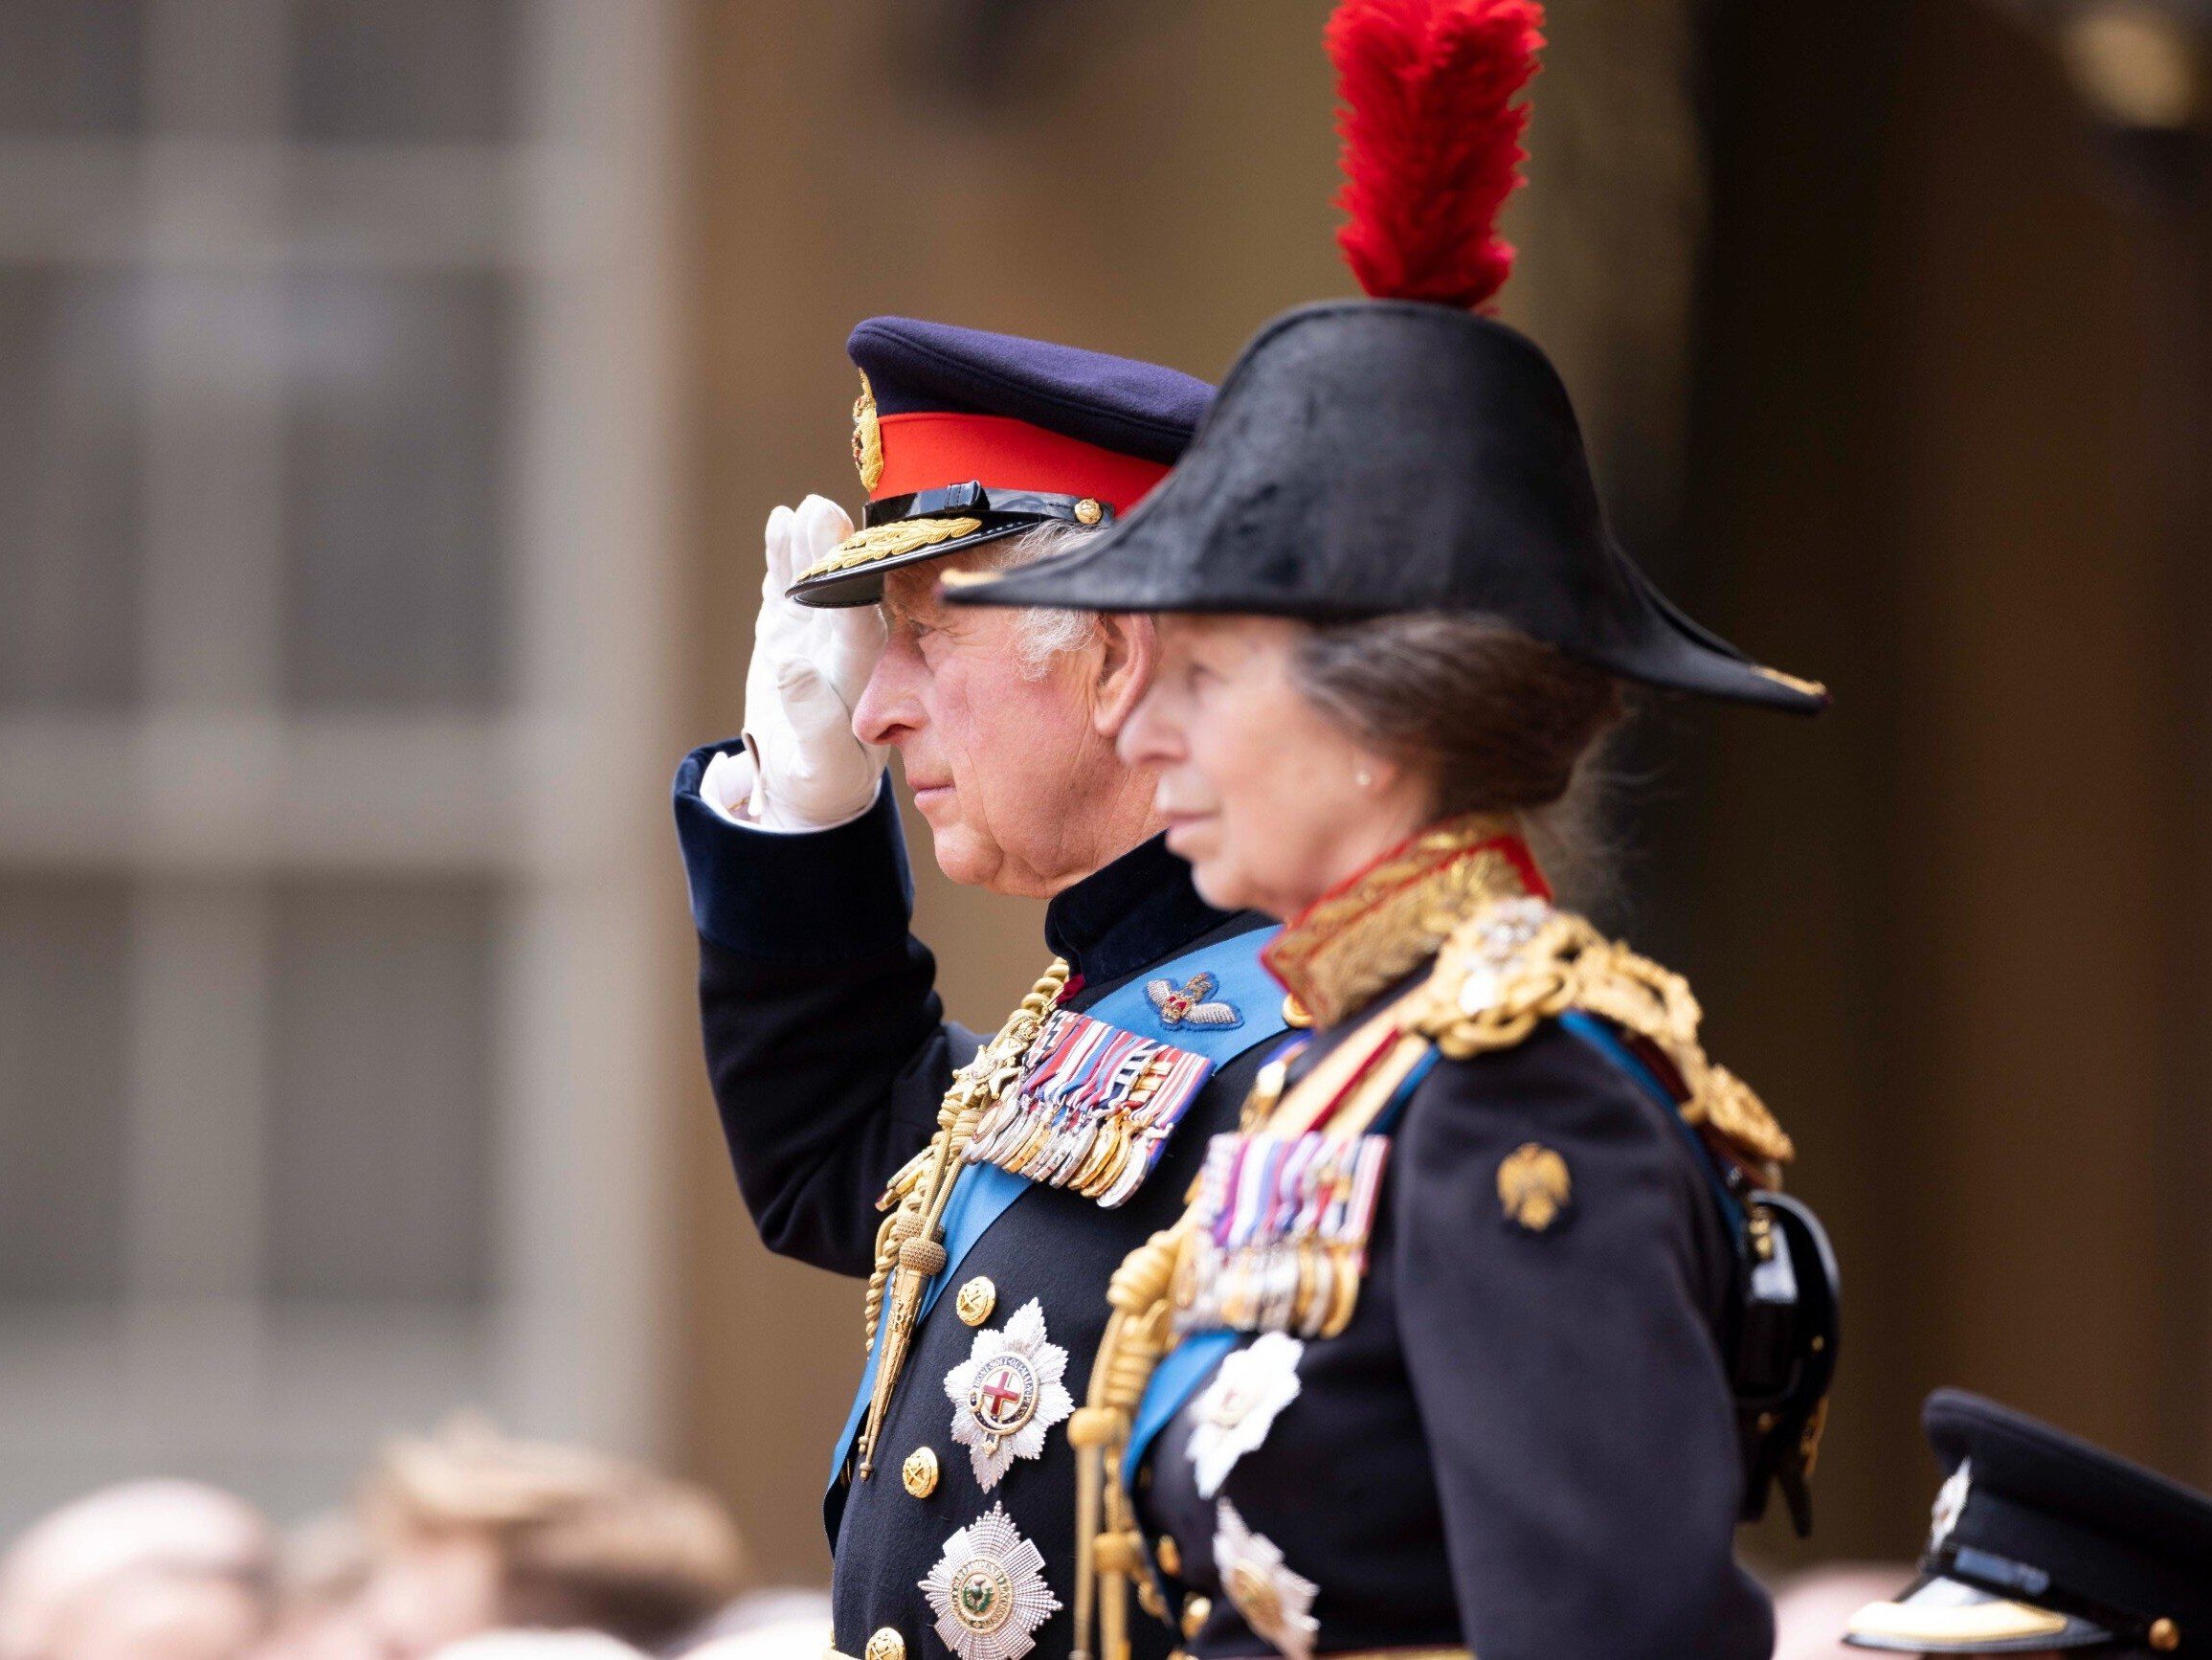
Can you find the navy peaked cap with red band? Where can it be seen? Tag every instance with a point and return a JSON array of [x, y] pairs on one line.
[[964, 437], [2042, 1542]]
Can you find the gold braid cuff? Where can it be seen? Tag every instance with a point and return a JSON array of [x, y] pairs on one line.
[[909, 1251]]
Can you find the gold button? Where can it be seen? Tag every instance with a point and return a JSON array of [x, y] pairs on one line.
[[919, 1474], [886, 1645], [1171, 1558], [976, 1299], [1196, 1611], [2165, 1635], [1089, 512]]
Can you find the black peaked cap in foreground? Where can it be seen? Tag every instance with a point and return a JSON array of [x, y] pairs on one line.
[[2042, 1542]]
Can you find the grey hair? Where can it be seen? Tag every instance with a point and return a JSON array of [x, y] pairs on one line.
[[1500, 722], [1043, 634]]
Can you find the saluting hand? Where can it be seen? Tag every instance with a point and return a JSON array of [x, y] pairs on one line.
[[808, 772]]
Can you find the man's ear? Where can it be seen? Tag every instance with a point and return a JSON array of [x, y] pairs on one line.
[[1131, 655]]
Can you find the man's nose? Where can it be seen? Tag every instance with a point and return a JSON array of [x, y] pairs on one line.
[[886, 707]]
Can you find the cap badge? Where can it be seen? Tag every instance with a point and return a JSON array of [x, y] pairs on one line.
[[988, 1590], [1188, 1003], [1007, 1394], [1950, 1504], [1534, 1186], [1238, 1408], [867, 438], [1275, 1602]]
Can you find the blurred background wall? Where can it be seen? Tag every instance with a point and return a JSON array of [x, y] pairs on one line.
[[391, 393]]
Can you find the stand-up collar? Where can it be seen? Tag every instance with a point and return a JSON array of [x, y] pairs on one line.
[[1381, 924], [1129, 915]]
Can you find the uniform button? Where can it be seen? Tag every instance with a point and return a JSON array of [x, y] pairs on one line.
[[886, 1645], [1171, 1558], [1196, 1611], [1087, 512], [919, 1474], [976, 1299]]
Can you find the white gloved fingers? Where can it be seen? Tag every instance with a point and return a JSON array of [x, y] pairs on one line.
[[821, 524], [847, 646], [820, 720], [726, 785]]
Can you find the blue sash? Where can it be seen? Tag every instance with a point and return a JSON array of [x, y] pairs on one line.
[[982, 1192]]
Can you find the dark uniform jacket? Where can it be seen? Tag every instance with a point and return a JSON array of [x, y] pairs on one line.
[[829, 1054], [1524, 1443]]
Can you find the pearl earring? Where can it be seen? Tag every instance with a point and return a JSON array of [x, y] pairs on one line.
[[1364, 779]]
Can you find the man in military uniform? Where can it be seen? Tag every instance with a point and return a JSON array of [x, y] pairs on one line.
[[988, 1189], [2042, 1545]]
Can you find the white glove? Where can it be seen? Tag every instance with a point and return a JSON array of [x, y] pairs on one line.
[[809, 664]]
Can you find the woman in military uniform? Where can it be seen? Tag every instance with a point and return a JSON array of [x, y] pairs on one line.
[[1441, 1355]]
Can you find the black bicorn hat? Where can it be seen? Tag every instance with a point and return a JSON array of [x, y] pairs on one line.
[[964, 437], [1403, 453], [2041, 1541], [1367, 458]]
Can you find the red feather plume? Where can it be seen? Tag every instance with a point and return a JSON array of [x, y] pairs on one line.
[[1432, 141]]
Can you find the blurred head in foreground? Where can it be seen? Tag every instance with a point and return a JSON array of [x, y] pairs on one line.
[[2042, 1544], [470, 1532], [149, 1570]]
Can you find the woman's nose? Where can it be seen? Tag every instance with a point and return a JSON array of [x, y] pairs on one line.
[[1150, 736]]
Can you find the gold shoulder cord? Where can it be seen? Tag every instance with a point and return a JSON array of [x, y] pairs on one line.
[[1469, 1005], [909, 1246]]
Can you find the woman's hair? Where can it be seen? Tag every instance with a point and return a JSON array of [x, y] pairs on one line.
[[1501, 722]]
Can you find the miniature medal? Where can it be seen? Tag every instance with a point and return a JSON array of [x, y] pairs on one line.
[[1007, 1394], [988, 1591], [1235, 1410], [1274, 1601]]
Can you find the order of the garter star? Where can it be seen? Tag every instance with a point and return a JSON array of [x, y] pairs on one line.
[[1008, 1393]]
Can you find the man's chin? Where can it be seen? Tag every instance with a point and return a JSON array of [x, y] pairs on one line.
[[963, 856]]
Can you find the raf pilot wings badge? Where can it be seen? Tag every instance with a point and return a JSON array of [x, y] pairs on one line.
[[1190, 1002]]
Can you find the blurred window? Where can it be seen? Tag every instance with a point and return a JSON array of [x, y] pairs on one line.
[[71, 66], [393, 480], [63, 946], [70, 455], [405, 71], [378, 1178]]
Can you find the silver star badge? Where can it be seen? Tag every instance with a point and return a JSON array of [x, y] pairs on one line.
[[988, 1590], [1235, 1410], [1950, 1502], [1007, 1393], [1276, 1603]]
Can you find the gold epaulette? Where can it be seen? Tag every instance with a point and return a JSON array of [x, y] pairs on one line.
[[1486, 994]]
